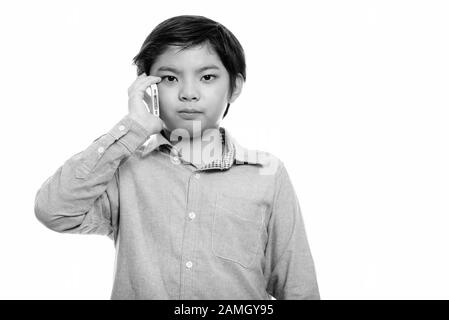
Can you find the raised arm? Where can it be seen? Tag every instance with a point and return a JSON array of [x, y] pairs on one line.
[[82, 195]]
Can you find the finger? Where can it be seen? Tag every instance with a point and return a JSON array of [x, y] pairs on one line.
[[140, 85], [154, 79], [144, 76], [141, 76], [144, 85], [145, 82]]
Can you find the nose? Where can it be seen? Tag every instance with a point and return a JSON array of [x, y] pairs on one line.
[[188, 92]]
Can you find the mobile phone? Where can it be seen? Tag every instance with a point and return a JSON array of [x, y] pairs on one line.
[[153, 93]]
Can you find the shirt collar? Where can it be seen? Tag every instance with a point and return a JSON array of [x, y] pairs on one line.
[[233, 152]]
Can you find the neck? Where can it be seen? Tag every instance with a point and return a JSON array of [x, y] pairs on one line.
[[200, 149]]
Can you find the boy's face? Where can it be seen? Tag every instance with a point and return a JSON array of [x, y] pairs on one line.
[[193, 78]]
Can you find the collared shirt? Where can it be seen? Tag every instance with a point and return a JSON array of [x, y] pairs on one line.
[[224, 163], [231, 229]]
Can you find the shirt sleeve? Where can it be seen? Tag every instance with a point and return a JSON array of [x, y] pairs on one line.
[[289, 265], [82, 195]]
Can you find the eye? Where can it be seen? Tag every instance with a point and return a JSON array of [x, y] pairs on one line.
[[168, 77], [209, 75]]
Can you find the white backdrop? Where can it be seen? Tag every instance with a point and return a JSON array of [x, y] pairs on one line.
[[358, 113]]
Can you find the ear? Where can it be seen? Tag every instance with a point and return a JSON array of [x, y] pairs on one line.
[[238, 88]]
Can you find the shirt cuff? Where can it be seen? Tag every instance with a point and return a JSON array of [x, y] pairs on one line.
[[129, 133]]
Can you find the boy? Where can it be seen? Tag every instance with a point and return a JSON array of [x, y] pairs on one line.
[[193, 214]]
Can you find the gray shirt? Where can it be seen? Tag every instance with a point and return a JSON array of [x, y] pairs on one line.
[[231, 229]]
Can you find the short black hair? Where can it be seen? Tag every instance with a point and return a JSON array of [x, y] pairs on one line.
[[189, 31]]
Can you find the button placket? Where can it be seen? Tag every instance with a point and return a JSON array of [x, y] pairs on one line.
[[190, 238]]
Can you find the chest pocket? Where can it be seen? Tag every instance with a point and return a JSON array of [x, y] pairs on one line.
[[237, 227]]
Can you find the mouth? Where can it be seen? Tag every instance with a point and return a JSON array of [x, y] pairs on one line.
[[189, 114], [189, 110]]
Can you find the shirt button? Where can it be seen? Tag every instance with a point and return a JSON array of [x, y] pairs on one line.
[[121, 128], [192, 215], [101, 150], [176, 160], [189, 264], [197, 175]]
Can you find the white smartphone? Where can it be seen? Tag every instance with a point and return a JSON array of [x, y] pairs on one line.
[[153, 93]]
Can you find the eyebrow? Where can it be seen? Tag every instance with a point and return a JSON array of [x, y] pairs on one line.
[[173, 69]]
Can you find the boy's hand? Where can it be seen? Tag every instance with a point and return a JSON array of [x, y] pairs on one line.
[[137, 109]]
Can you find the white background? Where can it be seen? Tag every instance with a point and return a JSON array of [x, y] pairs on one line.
[[351, 95]]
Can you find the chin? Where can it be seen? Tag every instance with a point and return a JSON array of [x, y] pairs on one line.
[[184, 131]]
